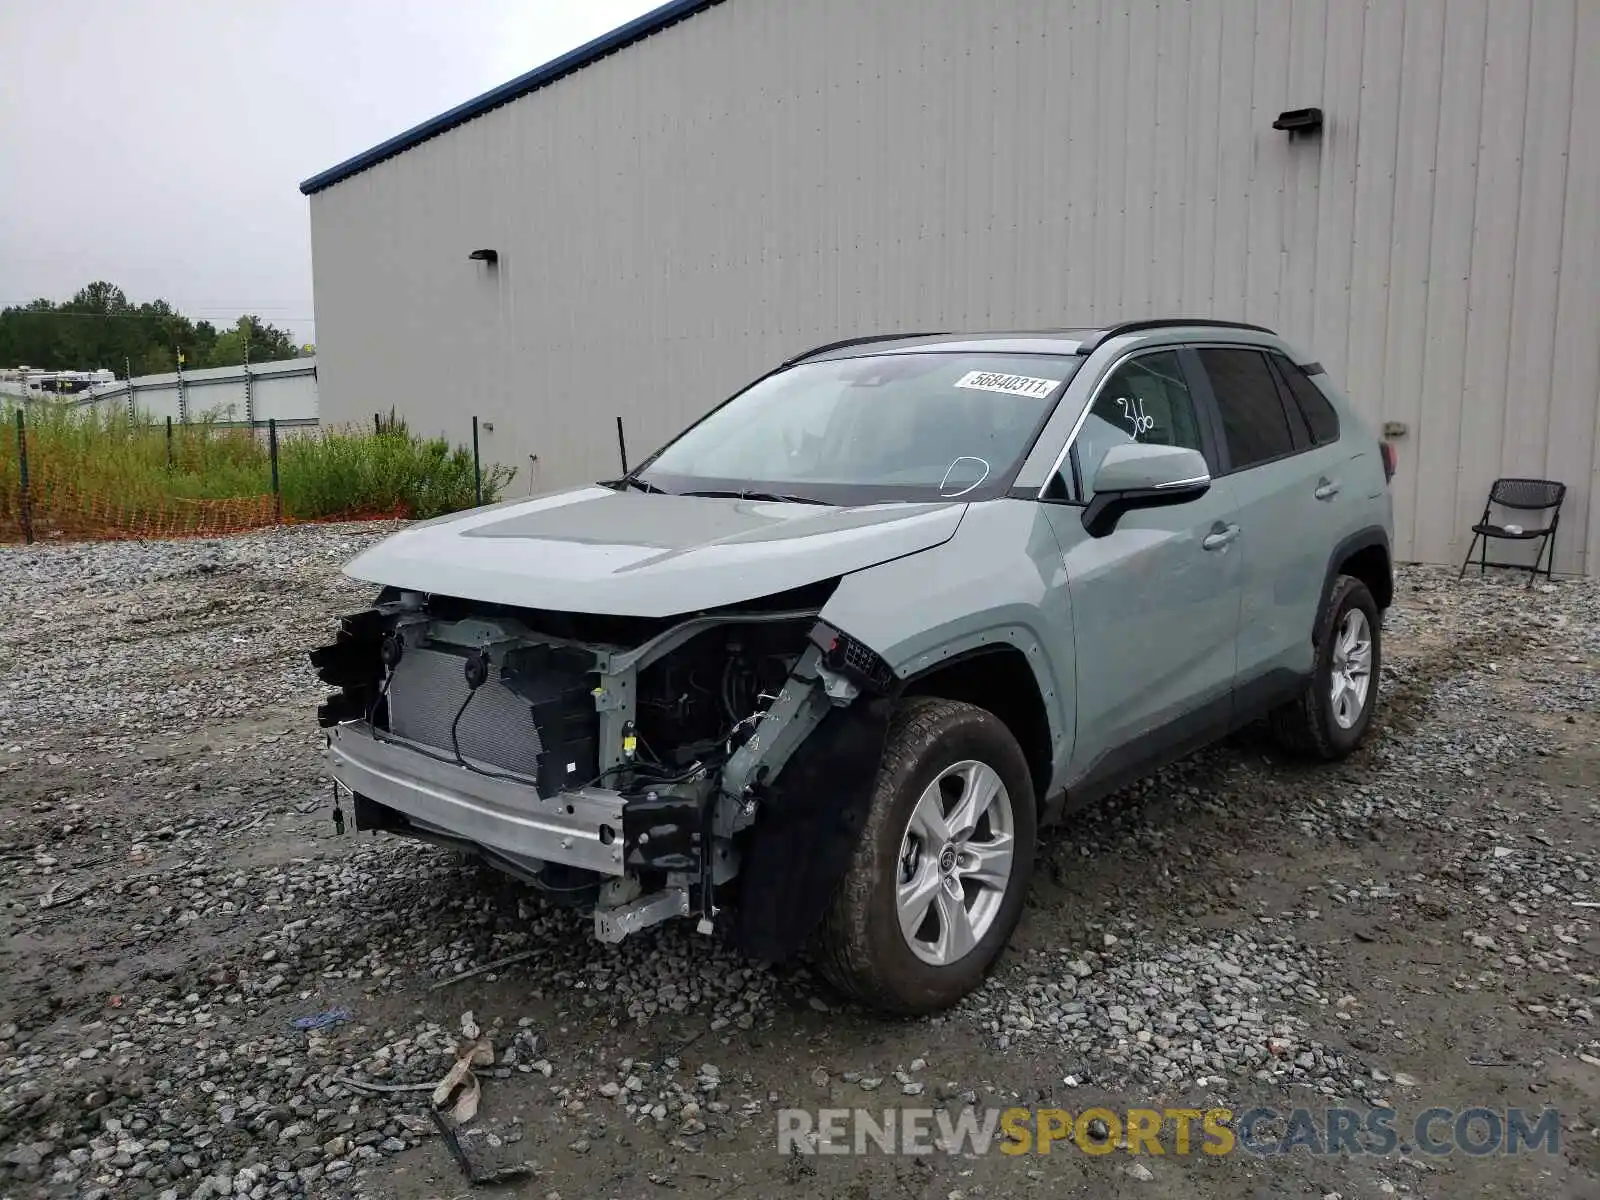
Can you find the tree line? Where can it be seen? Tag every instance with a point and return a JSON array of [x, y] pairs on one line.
[[100, 327]]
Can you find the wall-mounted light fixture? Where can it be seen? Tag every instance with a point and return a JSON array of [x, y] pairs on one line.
[[491, 257], [1297, 121]]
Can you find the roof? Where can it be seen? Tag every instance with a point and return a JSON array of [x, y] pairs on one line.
[[557, 68], [1074, 340]]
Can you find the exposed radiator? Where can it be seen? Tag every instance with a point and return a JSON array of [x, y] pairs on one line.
[[497, 729]]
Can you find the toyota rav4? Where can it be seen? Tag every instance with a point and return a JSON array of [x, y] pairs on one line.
[[818, 671]]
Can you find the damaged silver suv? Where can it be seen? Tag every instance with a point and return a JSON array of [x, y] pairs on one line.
[[820, 669]]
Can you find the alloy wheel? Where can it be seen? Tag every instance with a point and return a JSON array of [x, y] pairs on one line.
[[1352, 668], [955, 863]]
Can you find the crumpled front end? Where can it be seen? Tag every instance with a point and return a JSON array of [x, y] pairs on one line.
[[622, 764]]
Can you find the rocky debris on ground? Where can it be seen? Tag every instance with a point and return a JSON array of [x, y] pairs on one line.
[[1209, 1007]]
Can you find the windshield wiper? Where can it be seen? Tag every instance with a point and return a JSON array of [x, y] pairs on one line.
[[633, 481], [769, 497]]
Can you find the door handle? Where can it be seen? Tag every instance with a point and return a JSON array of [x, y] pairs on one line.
[[1218, 539], [1327, 489]]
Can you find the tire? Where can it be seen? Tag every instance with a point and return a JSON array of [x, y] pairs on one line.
[[1316, 725], [860, 945]]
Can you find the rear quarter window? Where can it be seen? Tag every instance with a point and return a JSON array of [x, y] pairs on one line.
[[1320, 416]]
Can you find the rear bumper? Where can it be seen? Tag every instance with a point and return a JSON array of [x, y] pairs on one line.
[[579, 828]]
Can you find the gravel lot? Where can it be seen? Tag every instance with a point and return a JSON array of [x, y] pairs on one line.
[[1415, 926]]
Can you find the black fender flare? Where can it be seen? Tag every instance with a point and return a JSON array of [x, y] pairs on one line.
[[807, 828], [1372, 535]]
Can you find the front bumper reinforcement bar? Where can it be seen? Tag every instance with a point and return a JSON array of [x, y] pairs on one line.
[[578, 828]]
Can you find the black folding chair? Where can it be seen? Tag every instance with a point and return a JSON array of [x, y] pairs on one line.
[[1526, 495]]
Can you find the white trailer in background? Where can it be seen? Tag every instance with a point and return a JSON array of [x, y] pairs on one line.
[[31, 383]]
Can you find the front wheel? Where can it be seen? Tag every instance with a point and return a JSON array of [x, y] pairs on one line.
[[1334, 713], [936, 884]]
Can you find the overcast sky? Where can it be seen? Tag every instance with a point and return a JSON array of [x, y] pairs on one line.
[[159, 144]]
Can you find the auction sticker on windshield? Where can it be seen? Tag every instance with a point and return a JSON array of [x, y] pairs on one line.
[[1014, 385]]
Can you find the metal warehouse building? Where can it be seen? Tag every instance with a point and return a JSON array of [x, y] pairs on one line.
[[717, 185]]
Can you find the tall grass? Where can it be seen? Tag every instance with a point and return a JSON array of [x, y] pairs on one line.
[[324, 473], [347, 470]]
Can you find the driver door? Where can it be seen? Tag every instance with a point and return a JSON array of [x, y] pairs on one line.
[[1155, 603]]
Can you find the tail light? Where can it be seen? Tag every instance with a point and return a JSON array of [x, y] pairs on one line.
[[1391, 460]]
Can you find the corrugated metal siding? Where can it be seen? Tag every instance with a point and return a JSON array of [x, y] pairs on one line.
[[770, 174], [284, 390]]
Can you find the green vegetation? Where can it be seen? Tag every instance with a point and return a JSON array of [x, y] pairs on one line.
[[100, 327], [76, 456], [343, 471]]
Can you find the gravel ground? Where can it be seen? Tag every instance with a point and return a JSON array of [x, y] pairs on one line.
[[1412, 927]]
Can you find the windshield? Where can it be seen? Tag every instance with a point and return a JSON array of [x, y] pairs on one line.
[[882, 427]]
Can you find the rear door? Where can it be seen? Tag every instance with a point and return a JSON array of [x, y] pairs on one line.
[[1285, 488], [1346, 471]]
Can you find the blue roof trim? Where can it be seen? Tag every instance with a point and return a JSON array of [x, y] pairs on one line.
[[635, 30]]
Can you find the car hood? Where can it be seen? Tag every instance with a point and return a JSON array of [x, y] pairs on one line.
[[595, 550]]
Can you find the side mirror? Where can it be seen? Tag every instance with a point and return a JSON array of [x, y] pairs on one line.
[[1138, 475]]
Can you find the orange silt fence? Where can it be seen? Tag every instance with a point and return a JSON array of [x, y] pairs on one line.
[[58, 509]]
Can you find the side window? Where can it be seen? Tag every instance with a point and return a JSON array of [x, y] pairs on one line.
[[1253, 420], [1144, 400], [1319, 414]]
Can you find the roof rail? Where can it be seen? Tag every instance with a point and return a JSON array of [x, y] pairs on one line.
[[1095, 340], [865, 340]]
